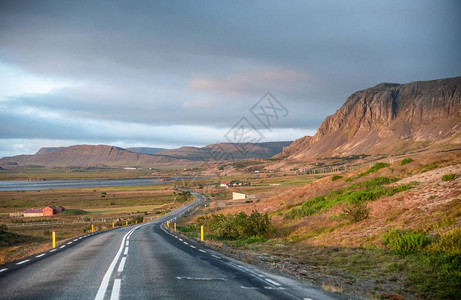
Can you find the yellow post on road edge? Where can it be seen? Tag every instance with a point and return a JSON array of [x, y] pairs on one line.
[[201, 233], [92, 228], [54, 239], [113, 224], [174, 226]]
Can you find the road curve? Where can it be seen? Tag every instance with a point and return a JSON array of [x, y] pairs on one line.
[[144, 261]]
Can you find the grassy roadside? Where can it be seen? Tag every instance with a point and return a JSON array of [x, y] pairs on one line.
[[405, 245], [100, 207]]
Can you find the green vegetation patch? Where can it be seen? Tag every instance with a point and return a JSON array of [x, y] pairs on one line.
[[369, 190], [373, 169], [448, 177], [429, 167], [75, 212], [336, 177], [402, 242], [406, 161]]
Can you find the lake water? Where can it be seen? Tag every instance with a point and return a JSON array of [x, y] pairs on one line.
[[17, 185]]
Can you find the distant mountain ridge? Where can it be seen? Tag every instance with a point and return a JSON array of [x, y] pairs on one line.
[[145, 150], [388, 118], [111, 156], [227, 151]]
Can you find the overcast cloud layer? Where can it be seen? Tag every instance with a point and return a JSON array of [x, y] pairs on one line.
[[173, 73]]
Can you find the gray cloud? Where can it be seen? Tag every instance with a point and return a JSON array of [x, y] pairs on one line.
[[206, 63]]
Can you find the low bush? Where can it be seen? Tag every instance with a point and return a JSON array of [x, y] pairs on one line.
[[406, 161], [336, 177], [448, 177], [357, 212], [449, 242], [403, 242]]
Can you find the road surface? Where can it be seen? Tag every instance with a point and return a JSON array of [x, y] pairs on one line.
[[144, 261]]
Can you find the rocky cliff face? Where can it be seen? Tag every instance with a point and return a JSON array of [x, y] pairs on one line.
[[386, 119]]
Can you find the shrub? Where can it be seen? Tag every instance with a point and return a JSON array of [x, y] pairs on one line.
[[236, 226], [403, 242], [183, 196], [406, 161], [348, 179], [139, 219], [449, 242], [3, 228], [448, 177], [373, 169], [336, 177], [357, 212]]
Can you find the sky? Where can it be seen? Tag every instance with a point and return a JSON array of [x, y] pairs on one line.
[[175, 73]]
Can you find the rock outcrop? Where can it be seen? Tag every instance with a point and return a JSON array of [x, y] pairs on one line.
[[388, 118]]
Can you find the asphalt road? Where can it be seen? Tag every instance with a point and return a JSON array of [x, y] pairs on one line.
[[145, 261]]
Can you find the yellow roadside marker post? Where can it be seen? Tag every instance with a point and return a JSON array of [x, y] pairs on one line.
[[126, 223], [113, 224], [201, 233], [92, 228], [54, 239], [174, 226], [136, 221], [168, 224]]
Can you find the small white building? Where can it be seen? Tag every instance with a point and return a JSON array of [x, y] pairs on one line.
[[240, 196]]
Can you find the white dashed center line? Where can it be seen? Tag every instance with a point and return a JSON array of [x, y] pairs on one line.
[[202, 250], [115, 295], [126, 251], [121, 266], [273, 282]]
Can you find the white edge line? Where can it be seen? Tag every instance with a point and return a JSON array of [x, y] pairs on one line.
[[202, 250], [53, 250], [126, 251], [3, 270], [40, 255], [22, 262]]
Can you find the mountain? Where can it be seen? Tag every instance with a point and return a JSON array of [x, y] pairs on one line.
[[86, 156], [388, 118], [44, 150], [110, 156], [145, 150], [227, 151]]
